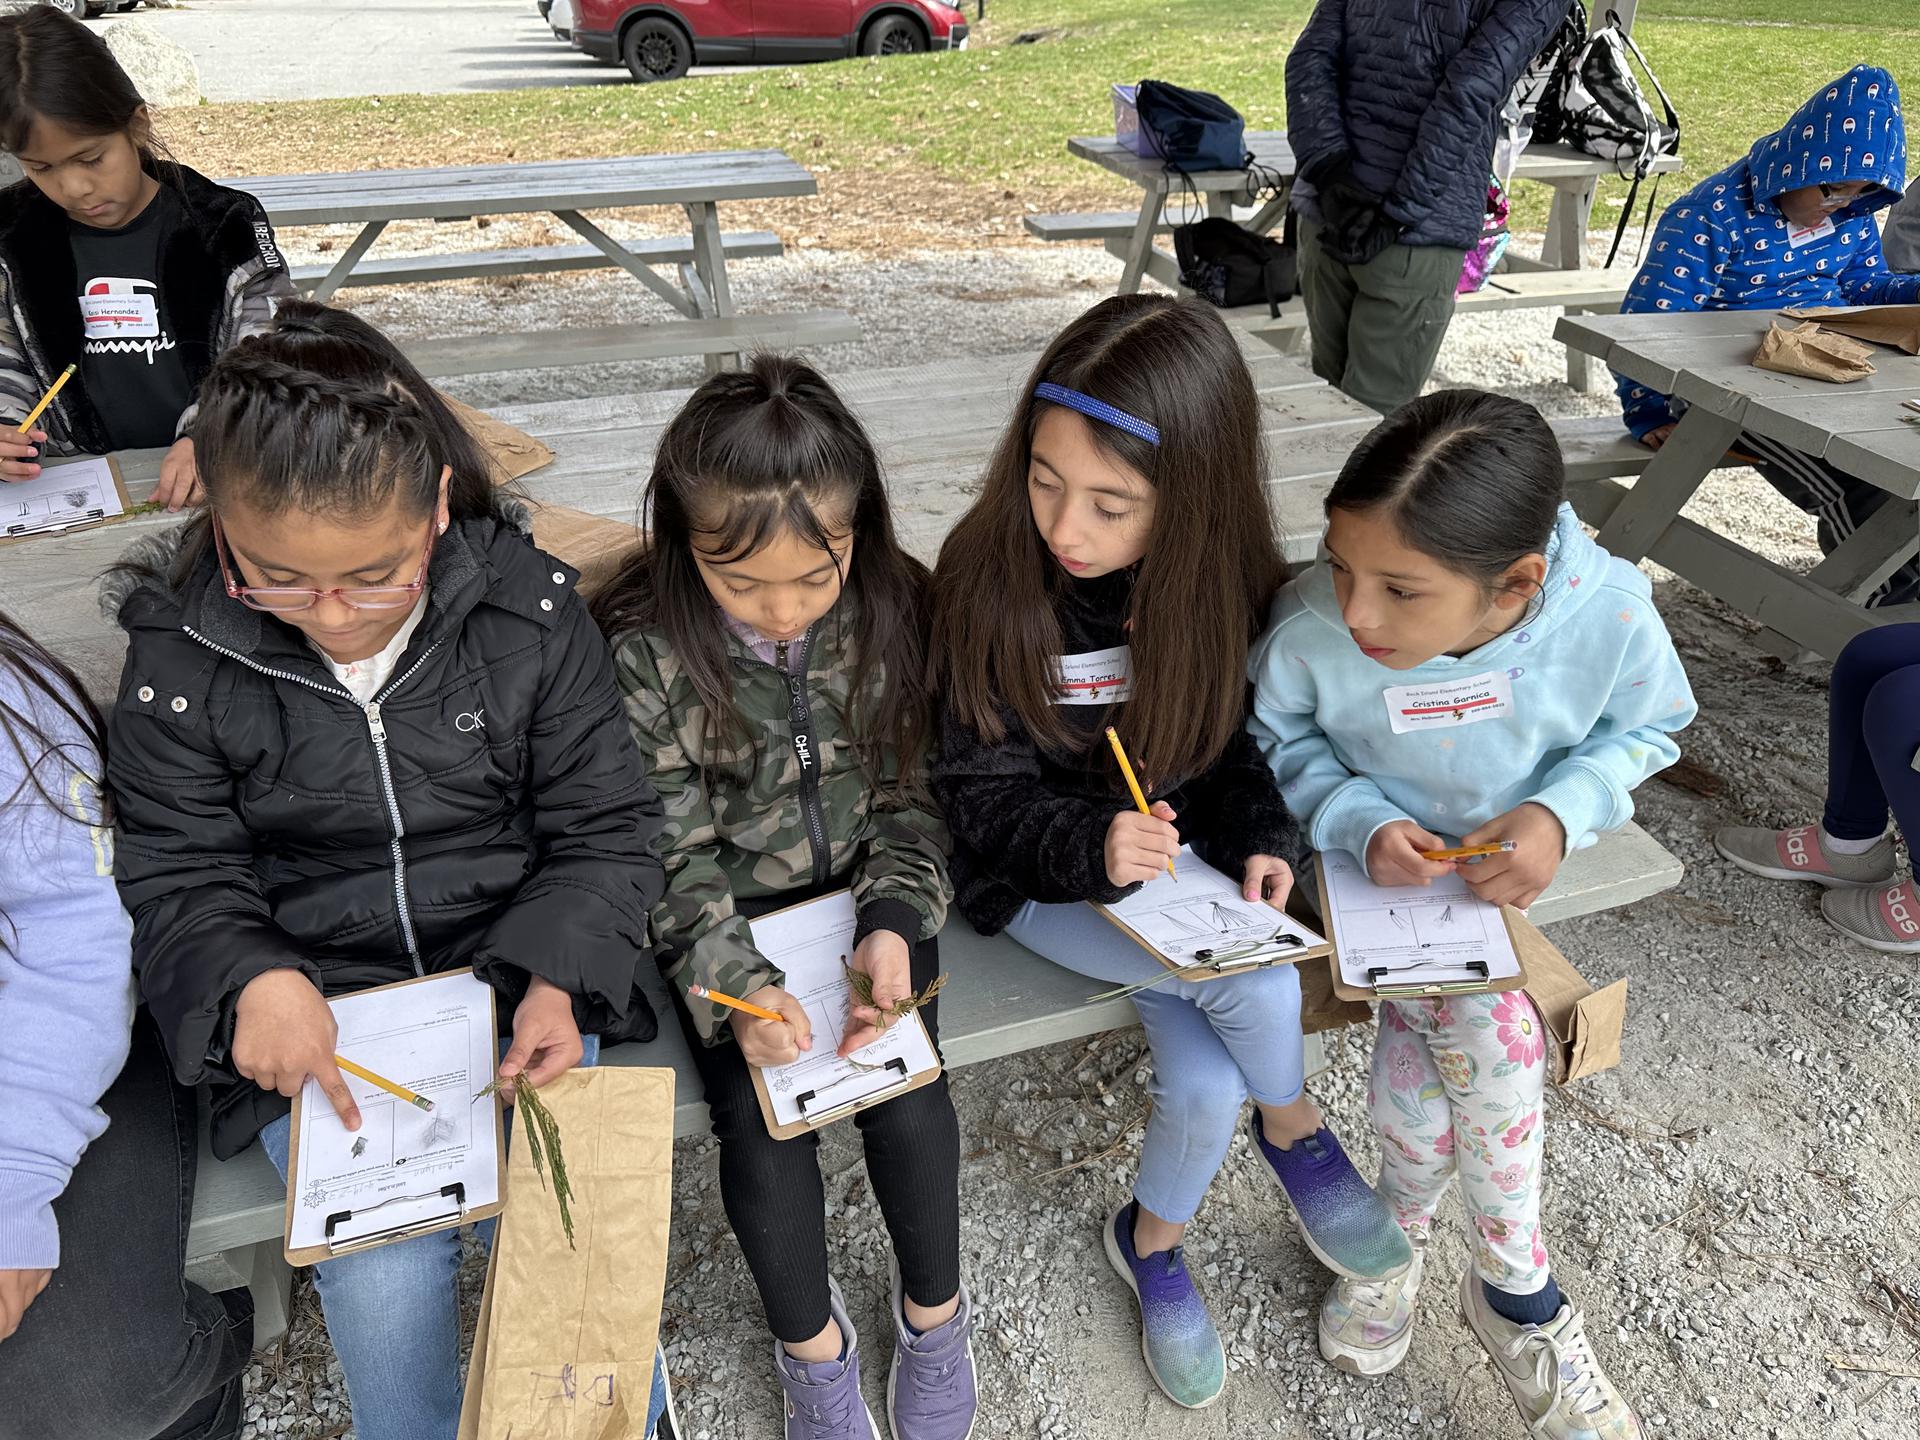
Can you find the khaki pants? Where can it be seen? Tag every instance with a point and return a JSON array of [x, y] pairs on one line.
[[1377, 327]]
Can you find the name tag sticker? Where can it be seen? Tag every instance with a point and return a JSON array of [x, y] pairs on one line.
[[1807, 237], [1447, 703], [114, 317], [1099, 677]]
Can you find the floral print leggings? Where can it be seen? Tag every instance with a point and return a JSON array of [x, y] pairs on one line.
[[1458, 1088]]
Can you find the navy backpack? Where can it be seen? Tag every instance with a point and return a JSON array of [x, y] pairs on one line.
[[1192, 130]]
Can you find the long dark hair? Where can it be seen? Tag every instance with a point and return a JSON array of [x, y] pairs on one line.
[[754, 454], [322, 414], [45, 678], [1473, 479], [1210, 571], [53, 66]]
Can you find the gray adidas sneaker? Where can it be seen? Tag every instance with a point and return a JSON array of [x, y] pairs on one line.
[[1886, 918], [1797, 854]]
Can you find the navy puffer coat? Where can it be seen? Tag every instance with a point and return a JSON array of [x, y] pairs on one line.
[[1409, 91]]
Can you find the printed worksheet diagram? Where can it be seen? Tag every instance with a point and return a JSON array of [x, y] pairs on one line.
[[1434, 930], [1202, 909]]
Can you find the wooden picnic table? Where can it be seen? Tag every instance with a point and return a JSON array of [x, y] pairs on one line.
[[603, 448], [1705, 359], [697, 184], [1574, 176]]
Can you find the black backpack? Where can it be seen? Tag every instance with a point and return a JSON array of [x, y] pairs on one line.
[[1192, 130], [1230, 266], [1536, 102]]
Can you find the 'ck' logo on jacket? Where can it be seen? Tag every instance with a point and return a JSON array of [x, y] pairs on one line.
[[468, 721]]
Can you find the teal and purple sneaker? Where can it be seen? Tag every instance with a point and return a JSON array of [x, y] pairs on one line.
[[1345, 1224], [1176, 1333]]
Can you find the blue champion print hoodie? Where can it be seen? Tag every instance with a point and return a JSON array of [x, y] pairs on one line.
[[1724, 245]]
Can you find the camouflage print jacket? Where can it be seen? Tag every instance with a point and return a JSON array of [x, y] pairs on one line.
[[789, 810]]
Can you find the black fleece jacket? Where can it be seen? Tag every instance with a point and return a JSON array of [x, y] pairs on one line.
[[1028, 825]]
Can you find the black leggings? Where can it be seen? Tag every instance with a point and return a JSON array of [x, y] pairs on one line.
[[777, 1203]]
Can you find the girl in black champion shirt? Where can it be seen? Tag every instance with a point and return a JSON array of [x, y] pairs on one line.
[[138, 270]]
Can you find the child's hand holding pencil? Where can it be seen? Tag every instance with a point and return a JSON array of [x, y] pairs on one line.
[[770, 1025]]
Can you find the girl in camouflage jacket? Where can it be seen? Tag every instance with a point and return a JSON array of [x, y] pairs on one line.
[[770, 646], [1123, 533]]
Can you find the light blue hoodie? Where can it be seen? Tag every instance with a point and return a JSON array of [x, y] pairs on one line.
[[1584, 700], [66, 975]]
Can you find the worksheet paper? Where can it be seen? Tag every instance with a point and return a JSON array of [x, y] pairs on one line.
[[1203, 909], [813, 944], [1421, 934], [79, 492], [435, 1038]]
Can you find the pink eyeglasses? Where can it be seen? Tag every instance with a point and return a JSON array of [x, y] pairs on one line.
[[281, 599]]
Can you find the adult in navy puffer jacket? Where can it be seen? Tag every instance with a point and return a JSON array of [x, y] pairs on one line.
[[1791, 223], [1391, 109]]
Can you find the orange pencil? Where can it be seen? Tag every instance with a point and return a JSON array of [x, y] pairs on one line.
[[700, 992], [1470, 852]]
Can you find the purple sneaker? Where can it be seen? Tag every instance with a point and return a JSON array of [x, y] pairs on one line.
[[1176, 1332], [823, 1400], [930, 1391], [1345, 1224]]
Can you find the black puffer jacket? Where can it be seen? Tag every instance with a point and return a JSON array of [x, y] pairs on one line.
[[1409, 91], [488, 809], [1028, 825]]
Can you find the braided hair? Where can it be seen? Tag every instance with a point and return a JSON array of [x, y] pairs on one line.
[[321, 414]]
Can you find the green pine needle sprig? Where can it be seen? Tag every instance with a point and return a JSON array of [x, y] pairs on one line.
[[543, 1146]]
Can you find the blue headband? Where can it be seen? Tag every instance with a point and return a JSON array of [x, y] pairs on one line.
[[1098, 410]]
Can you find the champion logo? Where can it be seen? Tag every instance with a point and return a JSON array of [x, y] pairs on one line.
[[468, 721]]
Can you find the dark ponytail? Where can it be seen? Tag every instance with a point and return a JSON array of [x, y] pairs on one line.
[[1473, 479], [53, 66]]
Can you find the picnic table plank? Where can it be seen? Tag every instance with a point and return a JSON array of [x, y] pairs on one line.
[[462, 191]]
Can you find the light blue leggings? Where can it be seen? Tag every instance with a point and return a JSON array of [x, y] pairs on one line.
[[393, 1314], [1214, 1043]]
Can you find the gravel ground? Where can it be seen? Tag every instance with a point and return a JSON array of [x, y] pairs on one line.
[[1731, 1207]]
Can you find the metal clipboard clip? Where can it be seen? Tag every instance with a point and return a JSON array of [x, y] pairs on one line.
[[1249, 954], [416, 1213], [1377, 973], [55, 526], [897, 1065]]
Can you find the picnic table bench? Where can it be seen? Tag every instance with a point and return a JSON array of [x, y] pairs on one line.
[[1002, 999], [1551, 278], [695, 284], [1705, 359]]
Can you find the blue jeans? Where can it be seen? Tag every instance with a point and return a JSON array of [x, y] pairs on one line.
[[1214, 1043], [393, 1314]]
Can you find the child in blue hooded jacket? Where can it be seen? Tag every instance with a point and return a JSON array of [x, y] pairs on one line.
[[1467, 666], [1792, 223]]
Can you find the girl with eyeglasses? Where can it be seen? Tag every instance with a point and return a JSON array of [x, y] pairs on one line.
[[366, 731]]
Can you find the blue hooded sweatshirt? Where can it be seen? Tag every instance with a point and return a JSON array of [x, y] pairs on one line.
[[1571, 709], [1725, 245]]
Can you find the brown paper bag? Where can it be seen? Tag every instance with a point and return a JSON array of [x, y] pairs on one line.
[[1584, 1025], [1809, 350], [593, 544], [564, 1349], [515, 452], [1895, 325]]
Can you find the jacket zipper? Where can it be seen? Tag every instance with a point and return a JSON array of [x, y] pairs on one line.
[[800, 721], [377, 729]]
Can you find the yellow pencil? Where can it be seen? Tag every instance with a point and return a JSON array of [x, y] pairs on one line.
[[385, 1084], [1133, 782], [45, 400], [700, 992], [1470, 852]]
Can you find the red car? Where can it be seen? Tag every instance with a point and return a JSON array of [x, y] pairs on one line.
[[660, 39]]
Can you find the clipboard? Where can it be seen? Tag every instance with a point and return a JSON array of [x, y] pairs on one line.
[[414, 1211], [13, 532], [1521, 931], [849, 1094], [1234, 957]]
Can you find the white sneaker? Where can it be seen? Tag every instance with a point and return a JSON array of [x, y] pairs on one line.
[[1551, 1372], [1367, 1325]]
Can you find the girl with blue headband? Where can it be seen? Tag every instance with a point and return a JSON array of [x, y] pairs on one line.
[[1118, 563]]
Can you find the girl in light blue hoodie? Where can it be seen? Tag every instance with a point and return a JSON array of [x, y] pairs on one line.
[[1467, 666]]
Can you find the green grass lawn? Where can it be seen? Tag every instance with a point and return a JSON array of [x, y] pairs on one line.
[[997, 117]]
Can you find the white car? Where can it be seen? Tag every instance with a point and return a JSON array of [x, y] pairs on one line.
[[560, 17]]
